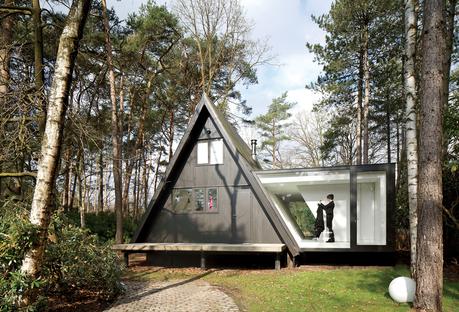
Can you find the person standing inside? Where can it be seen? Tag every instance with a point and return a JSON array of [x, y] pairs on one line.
[[328, 208]]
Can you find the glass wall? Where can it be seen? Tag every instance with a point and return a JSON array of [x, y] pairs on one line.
[[301, 198]]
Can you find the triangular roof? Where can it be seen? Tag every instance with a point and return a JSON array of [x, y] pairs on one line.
[[239, 151]]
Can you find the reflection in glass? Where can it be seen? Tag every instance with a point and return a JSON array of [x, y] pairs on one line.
[[212, 199], [182, 200], [199, 199], [297, 194]]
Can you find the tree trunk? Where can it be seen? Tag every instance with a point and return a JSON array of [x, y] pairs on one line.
[[429, 261], [51, 144], [116, 136], [65, 195], [100, 206], [411, 123], [38, 63], [6, 40], [366, 104], [358, 138], [82, 191], [388, 110], [171, 134], [144, 183], [73, 191]]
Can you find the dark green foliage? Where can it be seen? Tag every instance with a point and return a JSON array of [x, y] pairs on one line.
[[16, 236], [74, 260], [273, 127], [103, 224], [343, 80], [303, 217]]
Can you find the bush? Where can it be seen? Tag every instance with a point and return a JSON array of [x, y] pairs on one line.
[[17, 235], [104, 224], [75, 260]]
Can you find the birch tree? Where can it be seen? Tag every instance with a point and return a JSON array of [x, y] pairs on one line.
[[429, 248], [411, 119], [51, 144]]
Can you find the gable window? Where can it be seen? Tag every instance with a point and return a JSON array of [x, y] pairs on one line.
[[210, 152]]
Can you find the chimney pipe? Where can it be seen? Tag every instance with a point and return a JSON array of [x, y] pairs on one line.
[[253, 143]]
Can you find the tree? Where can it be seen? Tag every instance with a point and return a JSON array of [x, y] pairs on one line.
[[411, 120], [273, 125], [218, 46], [307, 130], [429, 262], [48, 163], [362, 41], [116, 130]]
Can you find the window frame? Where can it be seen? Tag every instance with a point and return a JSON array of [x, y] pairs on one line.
[[209, 148], [194, 191]]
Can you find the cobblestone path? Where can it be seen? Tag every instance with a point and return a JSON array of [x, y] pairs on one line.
[[173, 296]]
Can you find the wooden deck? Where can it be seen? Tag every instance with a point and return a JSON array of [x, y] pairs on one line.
[[278, 249]]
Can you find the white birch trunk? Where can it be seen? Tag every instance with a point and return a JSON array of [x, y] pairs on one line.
[[51, 144], [411, 119]]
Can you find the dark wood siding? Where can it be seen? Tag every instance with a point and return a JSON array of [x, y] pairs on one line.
[[240, 218], [226, 174]]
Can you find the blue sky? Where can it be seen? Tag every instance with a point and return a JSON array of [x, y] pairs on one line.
[[287, 26]]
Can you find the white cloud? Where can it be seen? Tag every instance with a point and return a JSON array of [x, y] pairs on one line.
[[289, 26]]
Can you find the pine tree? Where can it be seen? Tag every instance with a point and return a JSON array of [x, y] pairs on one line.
[[273, 125]]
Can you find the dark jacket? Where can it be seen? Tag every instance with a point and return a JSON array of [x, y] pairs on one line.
[[328, 207]]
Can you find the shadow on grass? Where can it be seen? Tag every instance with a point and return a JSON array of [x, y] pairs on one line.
[[141, 294]]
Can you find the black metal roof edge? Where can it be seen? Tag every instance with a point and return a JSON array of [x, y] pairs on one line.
[[378, 166]]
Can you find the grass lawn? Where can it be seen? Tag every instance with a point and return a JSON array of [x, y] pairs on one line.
[[304, 289]]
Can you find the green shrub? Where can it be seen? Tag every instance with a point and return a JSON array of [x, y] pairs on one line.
[[75, 260], [17, 235], [104, 224]]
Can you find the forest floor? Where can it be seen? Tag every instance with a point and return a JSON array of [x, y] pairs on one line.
[[306, 288]]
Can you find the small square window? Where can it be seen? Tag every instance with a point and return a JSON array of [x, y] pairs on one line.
[[212, 200]]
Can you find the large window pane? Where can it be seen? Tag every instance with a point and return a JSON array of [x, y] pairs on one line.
[[203, 152], [182, 200], [301, 198], [216, 151]]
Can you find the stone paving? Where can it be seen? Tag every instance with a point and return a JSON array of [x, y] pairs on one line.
[[173, 296]]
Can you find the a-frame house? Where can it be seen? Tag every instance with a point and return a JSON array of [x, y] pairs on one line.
[[215, 197]]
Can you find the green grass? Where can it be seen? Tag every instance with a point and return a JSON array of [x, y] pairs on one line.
[[306, 289]]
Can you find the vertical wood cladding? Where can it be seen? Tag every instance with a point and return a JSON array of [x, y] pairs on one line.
[[239, 219]]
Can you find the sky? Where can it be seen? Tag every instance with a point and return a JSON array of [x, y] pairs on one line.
[[287, 26]]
